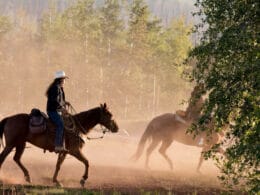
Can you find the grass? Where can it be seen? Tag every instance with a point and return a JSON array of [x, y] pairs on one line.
[[50, 190], [36, 189]]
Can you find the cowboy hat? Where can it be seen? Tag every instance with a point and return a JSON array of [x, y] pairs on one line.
[[60, 75]]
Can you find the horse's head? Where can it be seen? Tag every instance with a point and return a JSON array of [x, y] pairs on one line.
[[106, 119]]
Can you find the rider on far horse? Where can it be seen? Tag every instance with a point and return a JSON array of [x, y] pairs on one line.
[[56, 107], [193, 111]]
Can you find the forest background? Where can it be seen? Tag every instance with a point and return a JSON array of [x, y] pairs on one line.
[[121, 53], [114, 51]]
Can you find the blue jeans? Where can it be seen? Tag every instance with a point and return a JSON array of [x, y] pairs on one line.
[[57, 120]]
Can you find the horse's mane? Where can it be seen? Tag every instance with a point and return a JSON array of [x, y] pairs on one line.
[[88, 112], [88, 119]]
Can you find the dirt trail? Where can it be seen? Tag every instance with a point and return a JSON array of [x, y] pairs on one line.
[[111, 168]]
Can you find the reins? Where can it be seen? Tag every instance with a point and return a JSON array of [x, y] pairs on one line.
[[104, 130]]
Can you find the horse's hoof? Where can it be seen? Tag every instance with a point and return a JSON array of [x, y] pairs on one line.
[[82, 182], [28, 179]]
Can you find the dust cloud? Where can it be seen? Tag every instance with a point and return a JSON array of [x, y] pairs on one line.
[[111, 167], [27, 68]]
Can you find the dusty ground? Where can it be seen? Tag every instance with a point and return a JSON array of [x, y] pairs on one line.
[[111, 168]]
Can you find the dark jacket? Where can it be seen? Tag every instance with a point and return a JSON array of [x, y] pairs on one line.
[[56, 98]]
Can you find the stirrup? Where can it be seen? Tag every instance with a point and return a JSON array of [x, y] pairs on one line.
[[60, 149]]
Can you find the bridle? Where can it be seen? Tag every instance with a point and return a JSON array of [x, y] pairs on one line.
[[104, 130], [75, 120]]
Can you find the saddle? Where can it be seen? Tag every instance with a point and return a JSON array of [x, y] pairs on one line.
[[181, 113], [180, 116], [37, 121]]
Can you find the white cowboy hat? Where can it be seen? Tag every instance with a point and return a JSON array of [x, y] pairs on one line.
[[60, 75]]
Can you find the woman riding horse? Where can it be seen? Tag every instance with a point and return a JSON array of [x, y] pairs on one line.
[[56, 106], [16, 131]]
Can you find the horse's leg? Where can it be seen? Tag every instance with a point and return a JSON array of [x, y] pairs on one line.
[[4, 153], [165, 145], [204, 149], [60, 160], [17, 158], [78, 154], [149, 150], [200, 162]]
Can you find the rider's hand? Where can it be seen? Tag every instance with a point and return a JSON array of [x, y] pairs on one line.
[[67, 103], [64, 111]]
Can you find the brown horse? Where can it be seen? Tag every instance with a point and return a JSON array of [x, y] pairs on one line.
[[170, 127], [16, 131], [167, 128]]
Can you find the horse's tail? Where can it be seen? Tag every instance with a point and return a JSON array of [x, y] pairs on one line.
[[2, 125], [141, 143]]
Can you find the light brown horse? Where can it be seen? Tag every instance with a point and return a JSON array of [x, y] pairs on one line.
[[16, 131], [170, 127]]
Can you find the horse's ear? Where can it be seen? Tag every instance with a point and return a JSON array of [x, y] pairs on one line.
[[105, 105]]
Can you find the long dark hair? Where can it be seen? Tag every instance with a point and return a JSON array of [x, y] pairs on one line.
[[54, 82]]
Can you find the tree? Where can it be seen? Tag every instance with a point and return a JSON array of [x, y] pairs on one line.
[[227, 64], [178, 40], [96, 40], [79, 22], [138, 30], [5, 25], [111, 23], [169, 47], [173, 51]]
